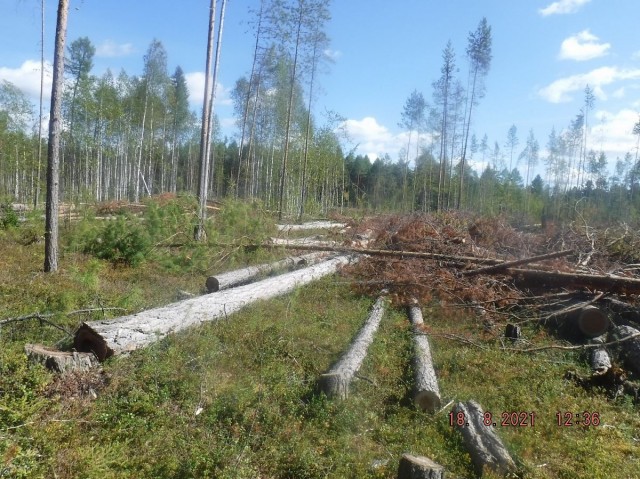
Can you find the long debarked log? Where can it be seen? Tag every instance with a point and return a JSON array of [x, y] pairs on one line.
[[426, 393], [482, 442], [119, 335], [312, 225], [419, 467], [335, 383], [246, 275]]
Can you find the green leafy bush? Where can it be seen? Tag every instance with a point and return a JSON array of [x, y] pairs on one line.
[[9, 218]]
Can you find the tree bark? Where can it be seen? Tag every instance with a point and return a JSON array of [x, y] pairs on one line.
[[484, 445], [630, 348], [427, 393], [311, 225], [60, 361], [116, 336], [419, 467], [335, 383], [246, 275]]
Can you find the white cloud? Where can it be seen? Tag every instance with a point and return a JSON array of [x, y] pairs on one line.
[[563, 7], [195, 83], [612, 132], [27, 78], [111, 49], [619, 93], [583, 46], [376, 140], [635, 55], [559, 91]]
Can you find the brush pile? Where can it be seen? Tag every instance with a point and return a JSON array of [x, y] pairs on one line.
[[581, 282]]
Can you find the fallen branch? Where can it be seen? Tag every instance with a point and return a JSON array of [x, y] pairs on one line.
[[40, 317], [510, 264], [575, 348]]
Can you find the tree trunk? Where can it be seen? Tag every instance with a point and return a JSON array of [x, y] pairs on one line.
[[610, 283], [248, 274], [419, 467], [336, 382], [55, 123], [120, 335], [482, 443], [426, 393], [59, 361], [312, 225]]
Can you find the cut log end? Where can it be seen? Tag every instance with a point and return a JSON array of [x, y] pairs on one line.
[[334, 385], [86, 340], [592, 321], [60, 361], [427, 400], [419, 467], [212, 284]]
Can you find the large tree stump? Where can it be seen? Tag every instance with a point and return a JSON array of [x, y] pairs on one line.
[[630, 348], [115, 336], [419, 467], [248, 274], [426, 393], [335, 383], [482, 442], [60, 361]]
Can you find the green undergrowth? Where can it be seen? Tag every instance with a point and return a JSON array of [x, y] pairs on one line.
[[237, 398]]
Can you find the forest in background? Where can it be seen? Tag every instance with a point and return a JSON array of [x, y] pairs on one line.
[[126, 136]]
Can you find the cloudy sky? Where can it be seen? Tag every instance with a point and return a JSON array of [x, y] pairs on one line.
[[544, 54]]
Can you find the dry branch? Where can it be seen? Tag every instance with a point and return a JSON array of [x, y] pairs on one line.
[[335, 383], [518, 262], [482, 442], [427, 393], [115, 336]]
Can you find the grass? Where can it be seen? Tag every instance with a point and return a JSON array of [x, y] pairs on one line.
[[237, 398]]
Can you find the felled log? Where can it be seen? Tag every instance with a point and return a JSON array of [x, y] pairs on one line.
[[60, 361], [630, 348], [335, 383], [608, 282], [115, 336], [246, 275], [312, 225], [580, 319], [419, 467], [600, 360], [483, 444], [427, 393]]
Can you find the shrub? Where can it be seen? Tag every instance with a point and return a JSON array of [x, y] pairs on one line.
[[9, 218]]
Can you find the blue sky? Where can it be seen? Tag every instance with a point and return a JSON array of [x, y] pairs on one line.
[[544, 53]]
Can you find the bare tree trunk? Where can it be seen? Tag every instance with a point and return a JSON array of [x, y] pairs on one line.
[[200, 234], [36, 198], [55, 120], [427, 393]]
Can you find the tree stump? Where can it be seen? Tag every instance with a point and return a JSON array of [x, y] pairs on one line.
[[482, 442], [419, 467], [426, 393], [336, 382], [60, 361]]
